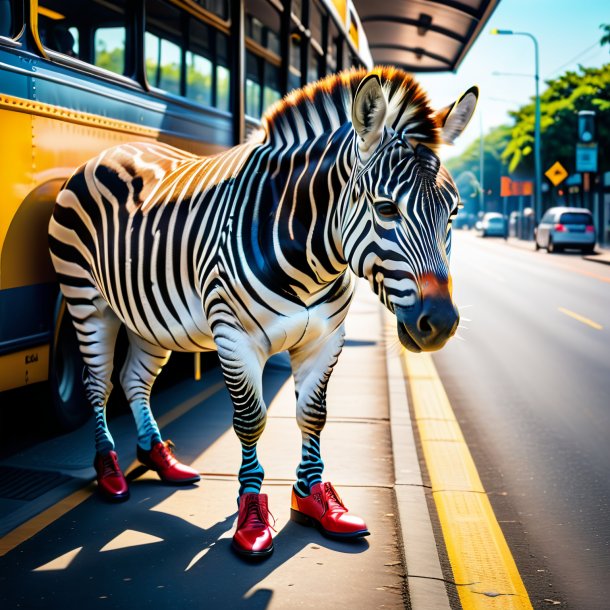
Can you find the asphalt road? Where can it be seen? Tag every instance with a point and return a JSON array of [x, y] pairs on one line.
[[530, 385]]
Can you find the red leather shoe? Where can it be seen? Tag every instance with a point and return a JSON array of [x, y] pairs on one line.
[[110, 480], [252, 538], [161, 459], [324, 510]]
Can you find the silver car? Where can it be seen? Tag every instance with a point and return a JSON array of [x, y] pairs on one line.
[[565, 228]]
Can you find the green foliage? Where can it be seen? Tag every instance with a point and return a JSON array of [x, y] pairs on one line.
[[605, 39], [468, 164], [586, 89], [509, 149], [113, 60]]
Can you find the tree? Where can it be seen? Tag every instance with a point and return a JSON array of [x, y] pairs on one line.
[[494, 144], [605, 39], [586, 89]]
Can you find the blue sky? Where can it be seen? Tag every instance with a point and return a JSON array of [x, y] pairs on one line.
[[568, 34]]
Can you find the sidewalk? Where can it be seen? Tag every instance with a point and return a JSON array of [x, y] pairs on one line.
[[175, 543], [601, 255]]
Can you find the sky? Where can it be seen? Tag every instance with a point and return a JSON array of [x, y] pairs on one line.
[[568, 34]]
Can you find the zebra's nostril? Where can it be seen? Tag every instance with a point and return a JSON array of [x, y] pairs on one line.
[[424, 325]]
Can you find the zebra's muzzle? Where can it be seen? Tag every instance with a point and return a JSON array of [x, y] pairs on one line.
[[427, 325]]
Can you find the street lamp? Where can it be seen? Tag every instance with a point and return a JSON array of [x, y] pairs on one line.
[[537, 140]]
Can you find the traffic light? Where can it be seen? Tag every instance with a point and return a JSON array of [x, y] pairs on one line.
[[586, 126]]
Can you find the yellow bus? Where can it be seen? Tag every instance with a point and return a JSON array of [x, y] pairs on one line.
[[79, 76]]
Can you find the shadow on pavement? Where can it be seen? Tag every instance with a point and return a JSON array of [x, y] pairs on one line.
[[169, 562]]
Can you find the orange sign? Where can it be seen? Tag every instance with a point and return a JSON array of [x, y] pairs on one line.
[[556, 173], [513, 188]]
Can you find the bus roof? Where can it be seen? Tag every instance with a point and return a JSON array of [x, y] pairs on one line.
[[432, 36]]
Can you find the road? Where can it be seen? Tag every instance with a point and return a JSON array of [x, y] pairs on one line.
[[530, 384], [528, 379]]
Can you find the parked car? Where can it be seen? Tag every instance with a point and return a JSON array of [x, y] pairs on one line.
[[564, 227], [493, 225]]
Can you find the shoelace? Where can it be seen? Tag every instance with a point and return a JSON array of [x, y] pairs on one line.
[[331, 495], [254, 514], [110, 465], [166, 451]]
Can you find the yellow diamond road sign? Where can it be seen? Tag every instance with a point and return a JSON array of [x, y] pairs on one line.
[[556, 173]]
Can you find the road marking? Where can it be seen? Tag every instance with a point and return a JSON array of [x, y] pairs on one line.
[[36, 524], [580, 318], [481, 561], [601, 278]]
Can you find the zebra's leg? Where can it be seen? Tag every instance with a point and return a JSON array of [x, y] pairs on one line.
[[97, 327], [313, 502], [242, 365], [143, 364]]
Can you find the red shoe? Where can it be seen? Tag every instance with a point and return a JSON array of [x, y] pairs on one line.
[[324, 510], [110, 480], [252, 537], [161, 459]]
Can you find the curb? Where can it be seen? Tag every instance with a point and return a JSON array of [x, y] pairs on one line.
[[425, 584]]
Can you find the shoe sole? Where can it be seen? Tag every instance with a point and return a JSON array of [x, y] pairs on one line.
[[178, 481], [307, 521], [251, 555], [113, 499], [193, 479]]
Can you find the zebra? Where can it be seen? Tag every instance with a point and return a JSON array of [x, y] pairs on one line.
[[255, 251]]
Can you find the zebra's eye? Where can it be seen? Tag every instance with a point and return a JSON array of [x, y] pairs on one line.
[[387, 210], [454, 212]]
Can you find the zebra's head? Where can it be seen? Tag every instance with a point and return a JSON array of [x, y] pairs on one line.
[[397, 228]]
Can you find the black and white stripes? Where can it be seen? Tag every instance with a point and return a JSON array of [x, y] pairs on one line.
[[247, 252]]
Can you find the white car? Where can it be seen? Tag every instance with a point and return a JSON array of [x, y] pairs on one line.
[[563, 227], [493, 225]]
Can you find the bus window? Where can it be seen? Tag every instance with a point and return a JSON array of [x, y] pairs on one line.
[[96, 35], [223, 74], [163, 42], [253, 87], [220, 8], [315, 22], [199, 78], [294, 76], [262, 29], [109, 48], [313, 69], [199, 64], [297, 8], [331, 51], [163, 59], [271, 90], [11, 17]]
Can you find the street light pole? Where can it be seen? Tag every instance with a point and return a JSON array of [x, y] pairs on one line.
[[537, 138], [481, 165]]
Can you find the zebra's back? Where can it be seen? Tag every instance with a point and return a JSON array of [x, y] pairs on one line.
[[122, 231]]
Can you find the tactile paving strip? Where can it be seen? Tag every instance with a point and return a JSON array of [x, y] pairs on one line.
[[26, 484]]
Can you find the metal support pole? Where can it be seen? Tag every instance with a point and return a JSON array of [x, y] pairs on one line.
[[537, 139], [481, 164], [537, 136], [285, 31], [238, 70]]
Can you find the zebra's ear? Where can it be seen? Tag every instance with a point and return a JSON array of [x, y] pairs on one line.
[[368, 114], [453, 119]]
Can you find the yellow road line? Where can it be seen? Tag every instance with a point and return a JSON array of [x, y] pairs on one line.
[[36, 524], [482, 563], [595, 276], [580, 318]]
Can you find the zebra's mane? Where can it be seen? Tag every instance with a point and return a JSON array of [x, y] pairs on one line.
[[326, 105]]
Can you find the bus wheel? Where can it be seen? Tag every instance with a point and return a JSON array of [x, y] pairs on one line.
[[68, 399]]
